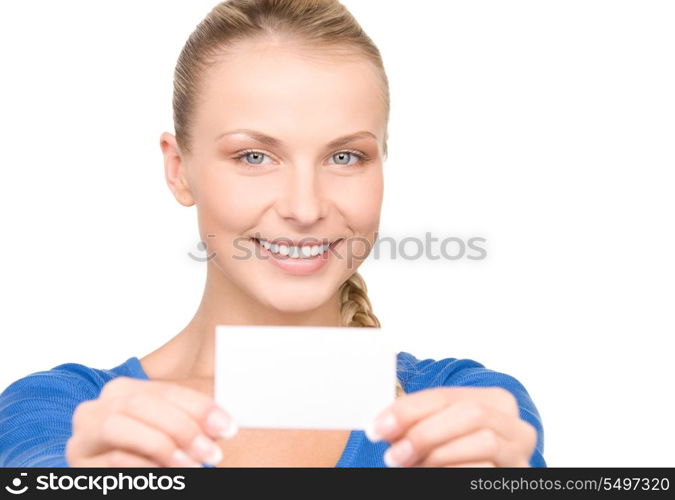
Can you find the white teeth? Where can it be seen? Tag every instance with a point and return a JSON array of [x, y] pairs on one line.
[[294, 252]]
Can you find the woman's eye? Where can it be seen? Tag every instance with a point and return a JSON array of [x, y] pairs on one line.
[[345, 157], [253, 157]]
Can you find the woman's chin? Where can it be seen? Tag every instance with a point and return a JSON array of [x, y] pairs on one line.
[[296, 299], [293, 305]]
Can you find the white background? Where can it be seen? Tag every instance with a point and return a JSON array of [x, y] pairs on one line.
[[546, 127]]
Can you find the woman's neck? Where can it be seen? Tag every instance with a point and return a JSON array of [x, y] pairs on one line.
[[190, 354]]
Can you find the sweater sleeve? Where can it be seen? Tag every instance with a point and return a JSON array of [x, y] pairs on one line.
[[35, 417]]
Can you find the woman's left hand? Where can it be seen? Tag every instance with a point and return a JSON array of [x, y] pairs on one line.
[[455, 427]]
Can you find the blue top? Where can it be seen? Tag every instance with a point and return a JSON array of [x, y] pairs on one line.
[[36, 410]]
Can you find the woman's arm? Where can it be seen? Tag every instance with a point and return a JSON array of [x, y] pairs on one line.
[[35, 418]]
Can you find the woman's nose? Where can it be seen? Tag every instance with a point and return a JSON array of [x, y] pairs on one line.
[[302, 197]]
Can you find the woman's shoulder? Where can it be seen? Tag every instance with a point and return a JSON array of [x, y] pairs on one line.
[[70, 378], [417, 374], [421, 373]]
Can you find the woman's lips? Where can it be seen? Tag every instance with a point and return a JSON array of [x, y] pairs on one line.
[[299, 266]]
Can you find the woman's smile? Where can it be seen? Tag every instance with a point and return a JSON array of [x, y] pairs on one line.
[[300, 259]]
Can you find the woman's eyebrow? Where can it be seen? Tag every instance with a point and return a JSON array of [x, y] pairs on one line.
[[273, 142]]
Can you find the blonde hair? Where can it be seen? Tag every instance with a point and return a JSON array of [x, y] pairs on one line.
[[316, 24]]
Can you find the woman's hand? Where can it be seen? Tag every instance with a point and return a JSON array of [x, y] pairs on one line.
[[147, 423], [455, 427]]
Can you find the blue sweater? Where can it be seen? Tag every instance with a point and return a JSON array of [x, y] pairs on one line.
[[36, 410]]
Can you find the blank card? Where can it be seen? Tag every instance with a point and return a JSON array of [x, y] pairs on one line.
[[303, 377]]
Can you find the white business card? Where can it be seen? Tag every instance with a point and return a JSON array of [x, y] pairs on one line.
[[304, 377]]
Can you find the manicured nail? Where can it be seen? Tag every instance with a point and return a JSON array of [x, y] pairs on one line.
[[208, 451], [398, 453], [381, 426], [371, 435], [231, 430], [221, 424], [180, 459]]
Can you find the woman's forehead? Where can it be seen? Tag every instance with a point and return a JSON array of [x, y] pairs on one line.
[[275, 82]]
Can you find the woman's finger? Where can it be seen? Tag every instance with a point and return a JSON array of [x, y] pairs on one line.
[[459, 419], [482, 445], [202, 407], [408, 409], [120, 458], [157, 412], [485, 463], [119, 431]]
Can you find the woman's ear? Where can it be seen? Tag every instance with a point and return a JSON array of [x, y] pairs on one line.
[[174, 170]]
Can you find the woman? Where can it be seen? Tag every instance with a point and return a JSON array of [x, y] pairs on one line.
[[280, 111]]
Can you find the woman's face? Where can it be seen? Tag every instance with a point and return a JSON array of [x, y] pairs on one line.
[[272, 158]]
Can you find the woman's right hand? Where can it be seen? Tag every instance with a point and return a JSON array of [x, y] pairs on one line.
[[147, 423]]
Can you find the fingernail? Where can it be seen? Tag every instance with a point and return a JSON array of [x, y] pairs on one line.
[[231, 430], [207, 451], [398, 453], [371, 435], [221, 424], [381, 426], [388, 460], [180, 459]]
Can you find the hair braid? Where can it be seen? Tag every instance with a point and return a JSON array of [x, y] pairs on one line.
[[356, 309]]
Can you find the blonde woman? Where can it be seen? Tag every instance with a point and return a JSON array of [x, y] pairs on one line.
[[280, 112]]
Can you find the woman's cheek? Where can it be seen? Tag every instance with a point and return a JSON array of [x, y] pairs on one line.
[[361, 205], [363, 201], [234, 203]]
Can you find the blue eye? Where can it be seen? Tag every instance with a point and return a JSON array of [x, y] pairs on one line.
[[344, 158], [253, 157]]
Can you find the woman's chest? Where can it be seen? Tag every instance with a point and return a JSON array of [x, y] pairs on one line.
[[283, 448]]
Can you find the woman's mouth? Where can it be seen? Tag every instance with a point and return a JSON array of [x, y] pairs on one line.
[[297, 259]]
